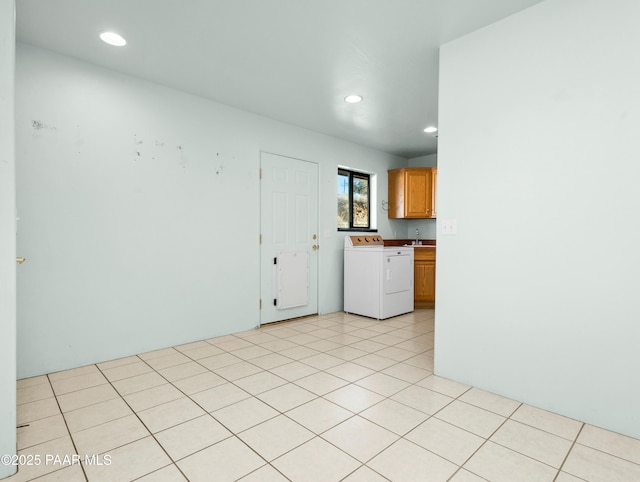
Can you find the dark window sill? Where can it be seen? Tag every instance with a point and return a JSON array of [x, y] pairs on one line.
[[358, 230]]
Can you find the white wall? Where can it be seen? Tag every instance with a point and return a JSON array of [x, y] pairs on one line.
[[538, 162], [430, 160], [7, 237], [134, 242]]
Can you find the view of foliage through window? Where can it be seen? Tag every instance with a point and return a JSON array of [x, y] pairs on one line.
[[353, 200]]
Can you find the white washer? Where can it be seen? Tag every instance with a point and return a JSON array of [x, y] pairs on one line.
[[378, 279]]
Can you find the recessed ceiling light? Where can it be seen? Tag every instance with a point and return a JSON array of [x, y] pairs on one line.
[[431, 130], [353, 99], [113, 38]]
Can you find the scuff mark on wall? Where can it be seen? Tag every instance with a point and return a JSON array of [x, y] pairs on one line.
[[182, 159], [78, 139], [155, 149], [39, 125], [220, 168], [137, 142]]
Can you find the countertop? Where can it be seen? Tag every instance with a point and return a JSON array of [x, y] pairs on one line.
[[426, 243]]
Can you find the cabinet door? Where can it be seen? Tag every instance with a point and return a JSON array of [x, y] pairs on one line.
[[425, 281], [434, 189], [396, 194], [412, 193], [424, 278], [417, 193]]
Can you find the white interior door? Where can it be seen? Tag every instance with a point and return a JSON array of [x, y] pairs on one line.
[[289, 233]]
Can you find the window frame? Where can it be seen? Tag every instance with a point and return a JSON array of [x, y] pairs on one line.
[[342, 171]]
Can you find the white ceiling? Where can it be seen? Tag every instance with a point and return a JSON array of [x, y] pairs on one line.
[[290, 60]]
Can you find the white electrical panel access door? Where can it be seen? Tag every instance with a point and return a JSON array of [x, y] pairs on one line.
[[291, 279]]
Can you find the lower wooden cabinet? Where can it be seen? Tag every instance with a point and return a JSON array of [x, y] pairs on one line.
[[424, 277]]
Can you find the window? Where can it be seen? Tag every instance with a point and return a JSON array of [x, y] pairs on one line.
[[354, 201]]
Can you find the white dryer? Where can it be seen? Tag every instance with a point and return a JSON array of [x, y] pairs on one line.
[[378, 279]]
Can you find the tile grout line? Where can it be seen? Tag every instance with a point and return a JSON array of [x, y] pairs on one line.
[[357, 414], [73, 442], [453, 399], [145, 426], [233, 433], [342, 361], [569, 451], [348, 382], [322, 396], [461, 466], [317, 397], [236, 435]]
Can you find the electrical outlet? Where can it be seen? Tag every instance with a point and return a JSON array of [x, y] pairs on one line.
[[449, 227]]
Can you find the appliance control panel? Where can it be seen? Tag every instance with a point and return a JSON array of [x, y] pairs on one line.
[[366, 240]]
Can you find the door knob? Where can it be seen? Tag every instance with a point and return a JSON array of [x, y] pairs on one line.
[[20, 260], [315, 247]]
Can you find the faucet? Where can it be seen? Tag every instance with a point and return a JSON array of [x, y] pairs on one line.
[[417, 236]]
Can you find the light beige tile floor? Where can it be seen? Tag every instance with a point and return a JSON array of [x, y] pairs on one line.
[[323, 398]]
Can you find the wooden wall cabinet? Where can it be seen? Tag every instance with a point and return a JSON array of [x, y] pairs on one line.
[[412, 192], [424, 273]]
